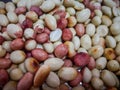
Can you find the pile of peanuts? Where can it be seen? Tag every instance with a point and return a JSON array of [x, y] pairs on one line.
[[60, 45]]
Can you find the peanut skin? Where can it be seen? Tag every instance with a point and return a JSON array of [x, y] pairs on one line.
[[5, 63]]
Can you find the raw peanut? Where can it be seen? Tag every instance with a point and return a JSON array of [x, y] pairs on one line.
[[115, 28], [61, 51], [95, 72], [50, 22], [11, 85], [46, 30], [3, 20], [77, 80], [42, 38], [71, 50], [107, 11], [66, 34], [57, 43], [54, 63], [96, 20], [29, 33], [26, 82], [106, 20], [10, 6], [96, 51], [55, 35], [110, 42], [71, 21], [5, 63], [59, 14], [1, 39], [101, 63], [39, 54], [78, 88], [27, 23], [63, 87], [91, 65], [117, 49], [76, 42], [102, 30], [4, 77], [67, 73], [62, 23], [20, 10], [31, 64], [2, 51], [80, 30], [32, 16], [14, 31], [109, 53], [21, 18], [113, 65], [53, 80], [17, 56], [71, 10], [6, 46], [22, 67], [83, 15], [73, 31], [97, 83], [87, 75], [68, 63], [41, 75], [17, 44], [107, 78], [16, 74], [90, 29], [49, 47], [37, 10], [81, 59], [86, 41], [12, 17], [30, 45], [47, 6]]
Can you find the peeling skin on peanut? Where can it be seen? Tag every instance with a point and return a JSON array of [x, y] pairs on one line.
[[60, 45]]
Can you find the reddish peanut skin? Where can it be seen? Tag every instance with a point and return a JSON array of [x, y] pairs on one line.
[[27, 23], [67, 34], [26, 82], [39, 54], [77, 80], [17, 44], [5, 63], [1, 40], [37, 10], [42, 38], [4, 29], [68, 63], [60, 13], [3, 77], [62, 23], [61, 50], [20, 10], [46, 30], [91, 65], [81, 59], [80, 29]]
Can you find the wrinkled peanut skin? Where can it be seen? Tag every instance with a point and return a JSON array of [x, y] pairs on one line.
[[80, 29], [5, 63], [62, 23], [20, 10]]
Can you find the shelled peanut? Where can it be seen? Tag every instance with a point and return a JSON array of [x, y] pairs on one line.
[[60, 45]]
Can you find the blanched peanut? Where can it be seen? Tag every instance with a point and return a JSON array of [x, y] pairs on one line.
[[117, 49], [11, 85], [2, 51], [6, 36], [67, 73], [107, 11], [22, 67], [96, 51], [71, 10], [113, 65], [2, 4], [30, 45], [78, 5], [6, 46], [76, 42], [96, 20], [110, 3], [14, 31], [110, 42], [95, 39], [39, 54], [49, 47], [61, 51], [12, 17], [86, 41], [54, 63], [17, 44], [80, 30], [115, 28], [17, 56], [3, 20], [95, 72], [21, 18], [90, 29], [16, 74], [29, 33], [109, 53], [32, 16], [53, 80], [117, 38], [71, 21], [101, 63], [106, 20], [10, 6], [13, 66], [82, 50], [98, 13]]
